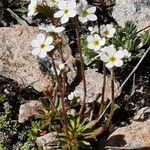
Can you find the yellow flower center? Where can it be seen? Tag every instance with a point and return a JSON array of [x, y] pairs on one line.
[[66, 11], [106, 33], [84, 13], [42, 46], [112, 59], [96, 42], [53, 1]]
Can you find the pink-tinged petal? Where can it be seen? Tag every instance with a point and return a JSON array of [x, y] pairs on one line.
[[62, 5], [91, 10], [118, 63], [49, 48], [58, 14], [102, 42], [43, 54], [90, 46], [49, 40], [104, 57], [36, 51], [40, 38], [111, 52], [110, 65], [119, 54], [97, 47], [97, 37], [92, 17], [64, 19], [83, 19], [34, 43]]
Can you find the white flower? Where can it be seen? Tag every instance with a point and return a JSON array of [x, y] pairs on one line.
[[52, 3], [112, 57], [95, 42], [32, 8], [67, 9], [74, 94], [71, 96], [94, 29], [107, 30], [126, 52], [51, 28], [41, 45], [86, 12]]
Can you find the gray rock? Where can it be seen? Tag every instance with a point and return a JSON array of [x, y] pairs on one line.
[[17, 61], [29, 110], [94, 83], [136, 10], [134, 136], [47, 141]]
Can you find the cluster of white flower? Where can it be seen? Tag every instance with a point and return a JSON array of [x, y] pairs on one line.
[[113, 57], [41, 45], [108, 54], [67, 9], [73, 95]]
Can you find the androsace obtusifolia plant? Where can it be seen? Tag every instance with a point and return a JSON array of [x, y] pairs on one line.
[[75, 119]]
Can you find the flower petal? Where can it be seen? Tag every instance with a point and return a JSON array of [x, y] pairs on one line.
[[49, 40], [102, 42], [62, 5], [104, 58], [59, 29], [91, 10], [90, 38], [111, 52], [90, 46], [110, 65], [43, 54], [119, 54], [40, 38], [36, 51], [118, 63], [49, 48], [34, 43], [64, 19], [58, 14], [82, 19], [72, 13], [92, 17]]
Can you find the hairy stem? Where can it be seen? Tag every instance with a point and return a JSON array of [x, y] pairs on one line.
[[103, 90], [82, 65]]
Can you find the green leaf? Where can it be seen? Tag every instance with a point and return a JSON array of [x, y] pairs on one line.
[[93, 134], [91, 124], [21, 10], [20, 20]]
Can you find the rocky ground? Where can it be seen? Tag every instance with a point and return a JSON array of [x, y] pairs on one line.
[[23, 77]]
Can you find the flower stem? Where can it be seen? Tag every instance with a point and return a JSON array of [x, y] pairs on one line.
[[82, 65], [102, 129], [103, 90]]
